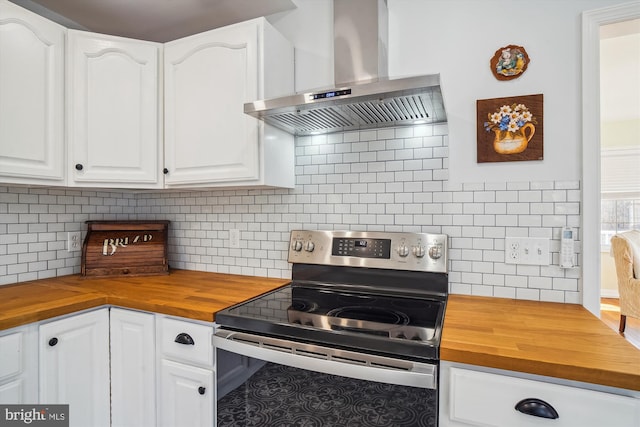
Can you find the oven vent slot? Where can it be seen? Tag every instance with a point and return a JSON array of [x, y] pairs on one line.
[[277, 347], [314, 354], [246, 341], [261, 343], [394, 367], [348, 360]]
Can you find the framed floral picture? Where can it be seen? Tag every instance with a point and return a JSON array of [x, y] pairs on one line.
[[510, 129]]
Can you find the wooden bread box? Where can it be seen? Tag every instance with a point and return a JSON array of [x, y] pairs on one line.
[[118, 248]]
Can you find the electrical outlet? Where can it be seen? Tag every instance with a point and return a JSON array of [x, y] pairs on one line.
[[527, 250], [234, 238], [74, 241]]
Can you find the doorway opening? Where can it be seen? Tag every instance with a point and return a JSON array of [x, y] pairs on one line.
[[592, 21], [619, 140]]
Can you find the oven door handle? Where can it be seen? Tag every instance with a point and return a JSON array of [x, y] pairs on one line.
[[328, 360]]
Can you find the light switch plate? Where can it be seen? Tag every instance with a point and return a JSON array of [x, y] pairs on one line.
[[527, 250]]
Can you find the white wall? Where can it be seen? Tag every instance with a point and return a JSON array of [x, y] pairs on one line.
[[608, 277], [457, 38]]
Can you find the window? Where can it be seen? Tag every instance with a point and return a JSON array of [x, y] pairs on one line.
[[617, 216]]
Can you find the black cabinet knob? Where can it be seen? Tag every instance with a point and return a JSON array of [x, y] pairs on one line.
[[53, 341], [184, 338], [537, 408], [78, 166], [165, 171], [201, 390]]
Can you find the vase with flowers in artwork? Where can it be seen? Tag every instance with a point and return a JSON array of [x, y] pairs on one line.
[[514, 126]]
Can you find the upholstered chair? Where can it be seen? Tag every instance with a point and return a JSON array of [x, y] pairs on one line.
[[625, 247]]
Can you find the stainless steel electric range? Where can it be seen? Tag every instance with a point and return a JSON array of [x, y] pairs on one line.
[[362, 315]]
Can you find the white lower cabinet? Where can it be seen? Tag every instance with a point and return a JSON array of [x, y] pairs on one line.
[[186, 395], [74, 366], [470, 397], [133, 374], [19, 365], [186, 389], [115, 367]]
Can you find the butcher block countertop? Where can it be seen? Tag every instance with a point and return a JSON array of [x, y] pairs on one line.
[[544, 338], [550, 339], [192, 294]]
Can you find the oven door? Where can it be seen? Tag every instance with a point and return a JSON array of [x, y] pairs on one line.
[[264, 381]]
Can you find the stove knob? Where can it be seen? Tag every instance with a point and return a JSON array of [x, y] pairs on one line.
[[418, 251], [310, 246], [403, 250], [435, 252], [297, 246]]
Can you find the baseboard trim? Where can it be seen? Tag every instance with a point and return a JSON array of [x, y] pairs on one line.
[[609, 293]]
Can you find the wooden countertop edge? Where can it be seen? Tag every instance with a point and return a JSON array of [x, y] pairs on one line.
[[52, 297], [88, 301], [591, 375], [173, 310], [85, 302]]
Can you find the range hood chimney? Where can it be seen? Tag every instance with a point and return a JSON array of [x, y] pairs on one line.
[[363, 97]]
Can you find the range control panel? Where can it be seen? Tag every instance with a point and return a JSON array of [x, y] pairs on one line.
[[363, 248], [398, 251]]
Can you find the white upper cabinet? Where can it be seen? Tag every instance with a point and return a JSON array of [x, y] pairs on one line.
[[83, 109], [209, 141], [31, 98], [114, 128]]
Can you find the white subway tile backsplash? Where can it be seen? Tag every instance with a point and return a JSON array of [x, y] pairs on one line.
[[482, 290], [392, 179], [528, 294]]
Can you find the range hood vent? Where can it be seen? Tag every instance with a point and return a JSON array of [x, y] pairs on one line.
[[374, 101]]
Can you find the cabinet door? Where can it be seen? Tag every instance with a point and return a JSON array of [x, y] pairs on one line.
[[208, 78], [19, 365], [74, 366], [113, 111], [187, 395], [31, 100], [132, 368]]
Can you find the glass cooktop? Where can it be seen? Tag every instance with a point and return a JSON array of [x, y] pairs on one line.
[[373, 322]]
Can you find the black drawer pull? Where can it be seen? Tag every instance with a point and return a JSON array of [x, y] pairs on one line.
[[201, 390], [184, 338], [537, 408], [53, 341]]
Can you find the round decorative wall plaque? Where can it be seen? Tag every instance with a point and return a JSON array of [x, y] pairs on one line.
[[509, 62]]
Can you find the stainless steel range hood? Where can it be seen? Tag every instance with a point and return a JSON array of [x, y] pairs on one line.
[[374, 100]]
